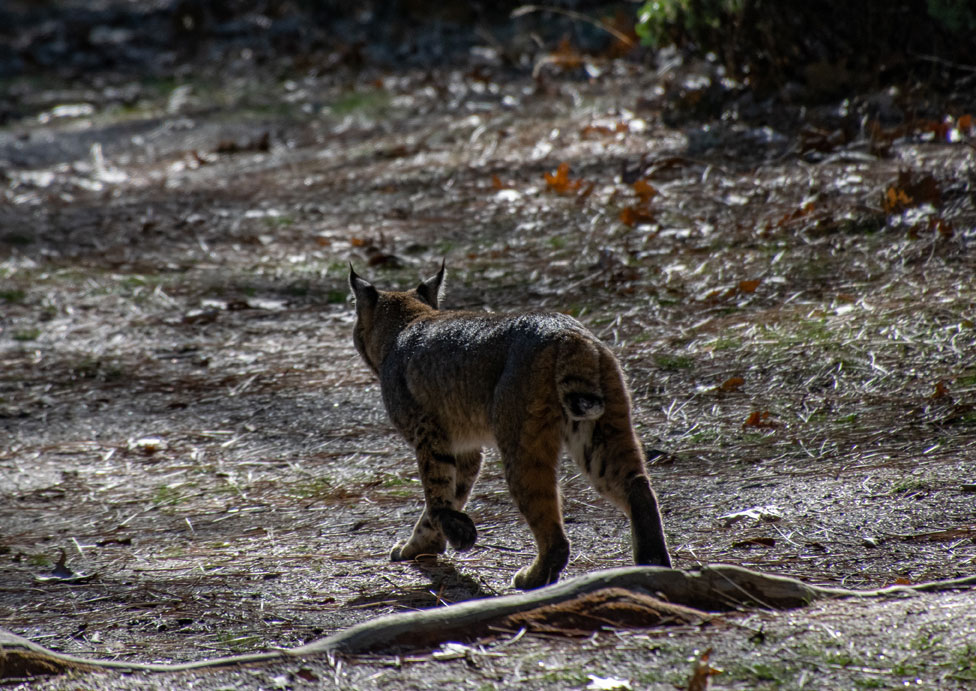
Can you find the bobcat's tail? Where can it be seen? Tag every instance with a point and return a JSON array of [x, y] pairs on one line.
[[578, 379]]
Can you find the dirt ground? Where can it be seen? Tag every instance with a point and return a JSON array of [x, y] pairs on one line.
[[183, 415]]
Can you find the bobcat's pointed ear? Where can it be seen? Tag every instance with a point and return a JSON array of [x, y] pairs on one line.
[[362, 290], [431, 291]]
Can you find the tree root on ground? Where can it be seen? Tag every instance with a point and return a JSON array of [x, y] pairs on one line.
[[641, 596]]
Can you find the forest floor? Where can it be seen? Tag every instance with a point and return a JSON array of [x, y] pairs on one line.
[[183, 414]]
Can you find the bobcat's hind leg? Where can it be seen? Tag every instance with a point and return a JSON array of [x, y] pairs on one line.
[[609, 454], [613, 462], [530, 469]]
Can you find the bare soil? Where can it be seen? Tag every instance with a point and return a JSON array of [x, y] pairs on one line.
[[183, 415]]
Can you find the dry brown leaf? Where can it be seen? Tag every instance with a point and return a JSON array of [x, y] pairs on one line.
[[760, 418], [634, 215], [941, 390], [702, 672], [731, 384], [749, 286], [909, 191], [560, 182], [645, 191]]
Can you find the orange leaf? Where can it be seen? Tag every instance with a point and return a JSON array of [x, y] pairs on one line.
[[911, 190], [701, 672], [358, 242], [732, 384], [895, 200], [760, 419], [497, 183], [749, 286], [635, 215], [559, 182], [941, 390], [645, 191], [964, 123]]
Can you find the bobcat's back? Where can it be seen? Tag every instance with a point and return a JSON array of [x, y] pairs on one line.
[[466, 367]]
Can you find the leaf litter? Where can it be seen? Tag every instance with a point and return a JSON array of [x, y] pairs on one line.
[[798, 332]]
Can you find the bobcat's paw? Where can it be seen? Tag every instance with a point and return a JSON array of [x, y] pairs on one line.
[[458, 528], [408, 551], [530, 578], [545, 569]]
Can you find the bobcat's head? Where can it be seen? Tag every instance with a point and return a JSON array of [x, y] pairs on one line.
[[381, 315]]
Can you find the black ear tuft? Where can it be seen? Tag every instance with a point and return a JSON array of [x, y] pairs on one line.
[[362, 290], [431, 291]]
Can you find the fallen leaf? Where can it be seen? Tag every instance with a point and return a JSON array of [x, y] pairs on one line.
[[749, 286], [645, 191], [909, 191], [941, 390], [496, 183], [760, 418], [631, 216], [731, 384], [702, 672], [560, 182]]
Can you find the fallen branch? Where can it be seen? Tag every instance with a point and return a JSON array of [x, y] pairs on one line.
[[653, 595]]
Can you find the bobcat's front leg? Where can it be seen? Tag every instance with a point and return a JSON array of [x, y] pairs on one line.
[[447, 481], [426, 538]]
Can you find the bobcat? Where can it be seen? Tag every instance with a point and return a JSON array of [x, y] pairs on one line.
[[529, 383]]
